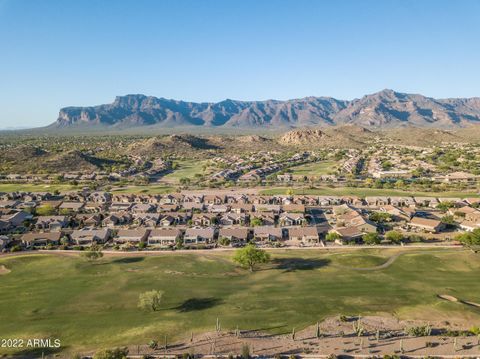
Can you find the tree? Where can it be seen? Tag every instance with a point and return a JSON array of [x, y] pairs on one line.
[[150, 300], [470, 238], [444, 206], [371, 238], [118, 353], [45, 210], [332, 236], [380, 217], [249, 256], [394, 236], [93, 253], [224, 241], [448, 219], [256, 221], [185, 181]]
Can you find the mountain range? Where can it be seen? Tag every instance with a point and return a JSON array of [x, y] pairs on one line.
[[386, 108]]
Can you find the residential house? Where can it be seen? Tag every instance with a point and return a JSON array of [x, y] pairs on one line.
[[71, 206], [90, 237], [146, 219], [32, 239], [131, 236], [236, 236], [204, 219], [199, 236], [143, 208], [231, 219], [267, 218], [213, 199], [267, 234], [426, 224], [120, 206], [100, 197], [52, 223], [292, 219], [173, 218], [348, 234], [303, 234], [164, 237], [88, 219]]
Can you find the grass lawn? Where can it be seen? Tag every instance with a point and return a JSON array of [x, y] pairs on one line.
[[186, 168], [32, 187], [362, 192], [91, 305], [313, 169]]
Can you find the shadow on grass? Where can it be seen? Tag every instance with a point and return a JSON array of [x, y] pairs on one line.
[[193, 304], [293, 264], [128, 260]]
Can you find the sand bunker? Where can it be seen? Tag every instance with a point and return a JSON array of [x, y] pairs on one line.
[[4, 270], [453, 299], [450, 298]]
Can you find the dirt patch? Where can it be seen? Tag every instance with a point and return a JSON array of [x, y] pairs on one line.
[[381, 335], [4, 270]]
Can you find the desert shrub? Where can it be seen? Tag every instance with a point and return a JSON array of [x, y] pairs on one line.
[[150, 300], [117, 353], [420, 331]]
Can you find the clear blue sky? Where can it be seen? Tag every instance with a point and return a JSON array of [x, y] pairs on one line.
[[61, 53]]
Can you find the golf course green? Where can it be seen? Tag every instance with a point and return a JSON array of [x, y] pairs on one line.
[[92, 304]]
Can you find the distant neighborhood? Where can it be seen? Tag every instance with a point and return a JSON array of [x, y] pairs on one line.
[[190, 220]]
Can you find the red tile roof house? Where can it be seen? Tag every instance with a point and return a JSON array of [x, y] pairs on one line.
[[90, 237], [31, 239], [164, 237], [199, 236], [237, 235], [133, 236]]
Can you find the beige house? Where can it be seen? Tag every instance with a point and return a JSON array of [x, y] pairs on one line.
[[164, 237]]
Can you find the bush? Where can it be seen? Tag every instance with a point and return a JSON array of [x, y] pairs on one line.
[[332, 236], [394, 236], [223, 241], [15, 248], [475, 330], [118, 353], [420, 331], [371, 238]]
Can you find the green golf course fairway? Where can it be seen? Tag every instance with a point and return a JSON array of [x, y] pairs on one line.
[[92, 305]]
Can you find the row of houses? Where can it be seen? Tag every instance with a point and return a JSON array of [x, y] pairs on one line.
[[170, 237], [12, 199]]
